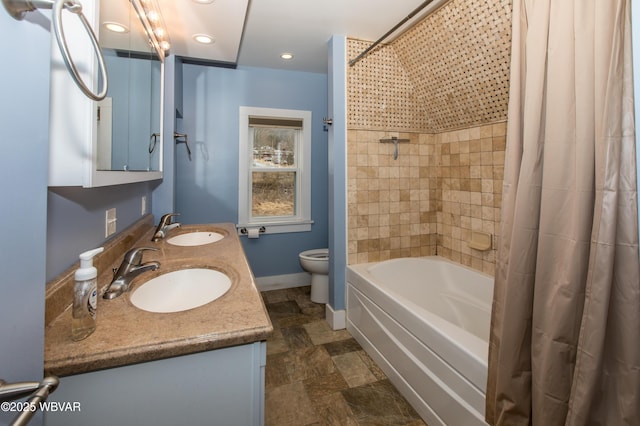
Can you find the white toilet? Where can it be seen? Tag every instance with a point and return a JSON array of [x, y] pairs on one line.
[[317, 263]]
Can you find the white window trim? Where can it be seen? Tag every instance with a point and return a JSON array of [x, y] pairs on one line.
[[302, 221]]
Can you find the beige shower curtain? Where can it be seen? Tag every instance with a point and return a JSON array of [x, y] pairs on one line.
[[565, 332]]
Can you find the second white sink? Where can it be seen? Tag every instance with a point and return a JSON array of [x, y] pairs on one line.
[[195, 238], [181, 290]]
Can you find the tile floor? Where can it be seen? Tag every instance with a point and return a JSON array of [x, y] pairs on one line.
[[317, 376]]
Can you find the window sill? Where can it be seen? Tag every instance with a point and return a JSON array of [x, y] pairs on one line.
[[277, 227]]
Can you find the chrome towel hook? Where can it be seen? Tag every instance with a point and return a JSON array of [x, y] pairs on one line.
[[184, 136], [18, 9]]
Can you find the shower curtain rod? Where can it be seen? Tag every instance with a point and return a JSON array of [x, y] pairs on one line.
[[388, 33]]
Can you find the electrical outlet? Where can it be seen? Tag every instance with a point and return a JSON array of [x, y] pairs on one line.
[[143, 209], [110, 222]]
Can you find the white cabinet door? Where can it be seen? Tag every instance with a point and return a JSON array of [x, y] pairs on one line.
[[221, 387]]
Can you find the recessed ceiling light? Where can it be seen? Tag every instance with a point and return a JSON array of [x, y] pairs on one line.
[[203, 1], [203, 38], [115, 27], [286, 56]]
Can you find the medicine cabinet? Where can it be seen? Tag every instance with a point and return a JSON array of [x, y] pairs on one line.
[[117, 140]]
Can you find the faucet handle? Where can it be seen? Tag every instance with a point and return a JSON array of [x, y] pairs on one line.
[[134, 256], [166, 218]]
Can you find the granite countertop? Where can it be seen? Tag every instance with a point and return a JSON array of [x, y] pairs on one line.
[[127, 335]]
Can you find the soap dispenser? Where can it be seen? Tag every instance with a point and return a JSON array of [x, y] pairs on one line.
[[85, 297]]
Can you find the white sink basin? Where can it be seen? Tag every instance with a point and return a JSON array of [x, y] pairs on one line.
[[195, 238], [181, 290]]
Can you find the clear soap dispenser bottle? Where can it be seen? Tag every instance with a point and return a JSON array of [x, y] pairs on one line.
[[85, 297]]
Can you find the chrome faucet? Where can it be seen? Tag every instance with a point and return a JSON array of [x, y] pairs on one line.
[[130, 268], [164, 226]]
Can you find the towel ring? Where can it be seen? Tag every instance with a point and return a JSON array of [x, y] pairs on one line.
[[75, 7], [18, 8]]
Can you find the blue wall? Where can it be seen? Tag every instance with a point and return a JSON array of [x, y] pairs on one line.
[[76, 216], [338, 171], [42, 231], [207, 186], [76, 219], [24, 118]]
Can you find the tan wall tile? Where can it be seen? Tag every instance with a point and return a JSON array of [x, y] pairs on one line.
[[447, 181], [412, 219]]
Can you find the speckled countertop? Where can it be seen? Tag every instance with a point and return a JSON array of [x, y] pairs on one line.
[[127, 335]]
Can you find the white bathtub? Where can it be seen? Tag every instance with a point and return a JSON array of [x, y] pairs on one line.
[[425, 321]]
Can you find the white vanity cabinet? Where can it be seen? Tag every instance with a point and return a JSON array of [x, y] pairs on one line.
[[73, 120], [220, 387]]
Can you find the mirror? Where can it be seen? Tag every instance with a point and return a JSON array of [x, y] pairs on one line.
[[128, 119]]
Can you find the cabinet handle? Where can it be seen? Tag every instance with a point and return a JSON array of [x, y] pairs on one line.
[[153, 142]]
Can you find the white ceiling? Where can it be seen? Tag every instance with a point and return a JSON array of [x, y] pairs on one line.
[[256, 32], [221, 19]]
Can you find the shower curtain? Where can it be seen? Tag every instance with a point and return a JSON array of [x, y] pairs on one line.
[[565, 329]]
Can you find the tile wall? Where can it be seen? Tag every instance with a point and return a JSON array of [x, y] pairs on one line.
[[427, 202], [392, 207], [380, 94], [444, 86], [470, 173], [458, 59]]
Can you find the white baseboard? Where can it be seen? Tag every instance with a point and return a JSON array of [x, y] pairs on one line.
[[337, 319], [279, 282]]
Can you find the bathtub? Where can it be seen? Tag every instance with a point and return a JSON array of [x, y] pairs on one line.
[[425, 321]]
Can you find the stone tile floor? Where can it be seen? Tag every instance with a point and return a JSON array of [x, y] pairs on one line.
[[317, 376]]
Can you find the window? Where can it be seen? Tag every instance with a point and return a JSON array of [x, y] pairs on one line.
[[275, 167]]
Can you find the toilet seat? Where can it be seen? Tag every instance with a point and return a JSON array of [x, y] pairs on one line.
[[317, 254]]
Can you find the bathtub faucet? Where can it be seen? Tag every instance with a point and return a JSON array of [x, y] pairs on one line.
[[165, 226]]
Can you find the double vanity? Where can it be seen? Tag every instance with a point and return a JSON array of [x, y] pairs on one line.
[[181, 335], [185, 344]]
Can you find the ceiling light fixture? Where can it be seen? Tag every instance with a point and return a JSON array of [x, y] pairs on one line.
[[153, 16], [153, 24], [286, 56], [203, 1], [115, 27], [203, 38]]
